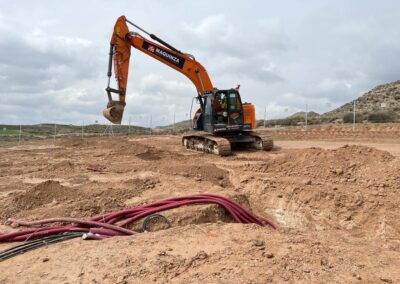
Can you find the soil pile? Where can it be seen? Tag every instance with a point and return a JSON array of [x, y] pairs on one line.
[[342, 164], [44, 193], [349, 188]]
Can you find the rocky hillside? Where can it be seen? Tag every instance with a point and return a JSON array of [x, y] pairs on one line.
[[179, 127], [381, 104], [310, 114], [384, 97]]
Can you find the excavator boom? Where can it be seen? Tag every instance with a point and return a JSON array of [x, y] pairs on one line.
[[120, 52]]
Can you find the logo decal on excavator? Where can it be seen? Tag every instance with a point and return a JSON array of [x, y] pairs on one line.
[[151, 48], [164, 54]]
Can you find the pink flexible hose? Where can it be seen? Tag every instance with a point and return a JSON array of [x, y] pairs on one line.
[[112, 224], [72, 220]]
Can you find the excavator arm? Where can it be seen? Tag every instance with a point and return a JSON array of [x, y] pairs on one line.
[[120, 52]]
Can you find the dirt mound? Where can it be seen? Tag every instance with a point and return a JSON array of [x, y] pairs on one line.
[[134, 148], [46, 199], [198, 172], [316, 189], [149, 155], [139, 185], [61, 166], [76, 142], [346, 163], [363, 131], [44, 193]]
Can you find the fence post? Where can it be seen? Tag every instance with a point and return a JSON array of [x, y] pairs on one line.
[[151, 122], [174, 122], [55, 133], [306, 115], [20, 132], [129, 127], [265, 116], [354, 115]]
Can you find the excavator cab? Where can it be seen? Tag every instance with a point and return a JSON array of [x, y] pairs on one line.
[[223, 112]]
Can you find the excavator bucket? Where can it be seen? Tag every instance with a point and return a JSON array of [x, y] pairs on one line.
[[114, 112]]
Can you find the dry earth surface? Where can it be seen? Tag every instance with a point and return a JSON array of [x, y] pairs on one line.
[[333, 193]]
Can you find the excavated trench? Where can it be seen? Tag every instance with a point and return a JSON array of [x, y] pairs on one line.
[[52, 199], [351, 188]]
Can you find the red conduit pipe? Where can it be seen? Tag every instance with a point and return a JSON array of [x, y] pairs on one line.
[[101, 226], [72, 220]]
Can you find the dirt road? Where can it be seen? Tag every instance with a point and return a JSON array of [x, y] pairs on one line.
[[336, 205]]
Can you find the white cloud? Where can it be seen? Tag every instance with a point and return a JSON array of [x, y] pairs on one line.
[[215, 26], [43, 42], [316, 53]]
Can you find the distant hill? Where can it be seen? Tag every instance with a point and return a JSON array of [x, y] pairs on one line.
[[381, 104], [384, 97], [179, 127], [310, 114]]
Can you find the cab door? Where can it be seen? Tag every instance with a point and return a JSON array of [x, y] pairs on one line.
[[235, 109], [208, 114]]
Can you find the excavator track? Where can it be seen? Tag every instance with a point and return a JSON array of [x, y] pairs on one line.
[[207, 143], [262, 141]]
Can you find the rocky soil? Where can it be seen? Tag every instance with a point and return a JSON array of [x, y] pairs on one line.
[[337, 209]]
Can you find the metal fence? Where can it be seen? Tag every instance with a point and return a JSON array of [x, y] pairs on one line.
[[21, 133], [305, 120]]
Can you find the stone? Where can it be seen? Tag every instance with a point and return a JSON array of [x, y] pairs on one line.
[[268, 254], [258, 243], [339, 171]]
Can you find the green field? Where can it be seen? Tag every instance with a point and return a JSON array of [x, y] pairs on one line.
[[12, 132]]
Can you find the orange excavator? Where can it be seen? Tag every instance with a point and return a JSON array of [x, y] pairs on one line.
[[222, 121]]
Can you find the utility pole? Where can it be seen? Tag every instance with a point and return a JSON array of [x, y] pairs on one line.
[[129, 127], [82, 130], [20, 132], [265, 116], [55, 132], [151, 122], [354, 115], [174, 122], [306, 115]]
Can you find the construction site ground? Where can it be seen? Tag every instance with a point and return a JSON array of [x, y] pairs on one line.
[[333, 193]]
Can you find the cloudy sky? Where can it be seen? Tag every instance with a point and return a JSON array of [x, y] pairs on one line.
[[284, 54]]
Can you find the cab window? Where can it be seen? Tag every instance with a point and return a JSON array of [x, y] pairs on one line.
[[234, 101]]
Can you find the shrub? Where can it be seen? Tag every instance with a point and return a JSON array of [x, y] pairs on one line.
[[348, 118], [382, 116]]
